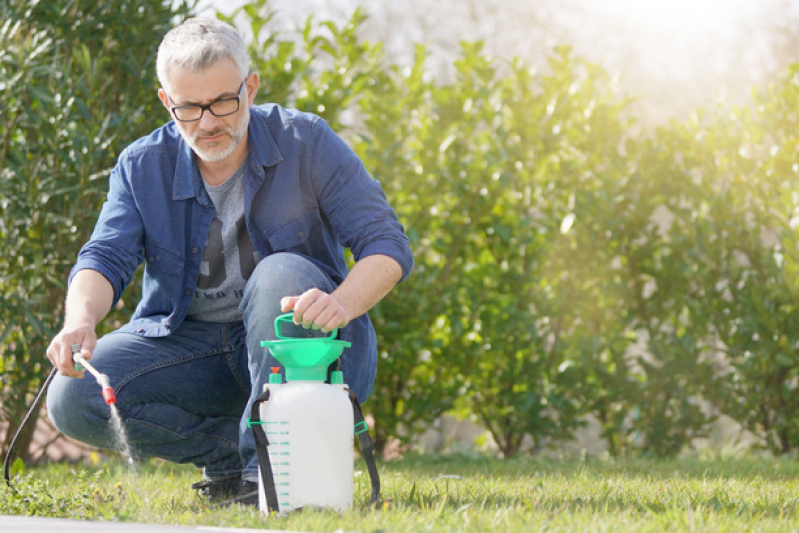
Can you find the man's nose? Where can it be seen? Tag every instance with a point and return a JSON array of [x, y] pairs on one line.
[[208, 122]]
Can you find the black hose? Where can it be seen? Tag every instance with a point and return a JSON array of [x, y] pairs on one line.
[[10, 452]]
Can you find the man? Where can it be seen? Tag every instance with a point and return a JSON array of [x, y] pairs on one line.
[[239, 213]]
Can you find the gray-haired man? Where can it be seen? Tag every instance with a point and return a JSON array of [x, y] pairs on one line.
[[239, 213]]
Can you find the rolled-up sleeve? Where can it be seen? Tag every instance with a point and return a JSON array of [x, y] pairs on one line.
[[355, 203], [115, 247]]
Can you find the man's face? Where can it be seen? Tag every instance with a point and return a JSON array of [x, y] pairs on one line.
[[211, 137]]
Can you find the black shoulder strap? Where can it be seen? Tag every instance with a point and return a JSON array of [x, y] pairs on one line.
[[366, 446], [261, 443]]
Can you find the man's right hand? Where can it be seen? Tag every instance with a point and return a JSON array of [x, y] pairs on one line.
[[60, 350], [89, 298]]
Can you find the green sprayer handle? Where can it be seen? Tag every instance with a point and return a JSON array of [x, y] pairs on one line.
[[289, 317]]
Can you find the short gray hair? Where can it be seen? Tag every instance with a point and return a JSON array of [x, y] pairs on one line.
[[197, 44]]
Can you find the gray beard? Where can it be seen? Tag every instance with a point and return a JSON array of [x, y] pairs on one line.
[[218, 154]]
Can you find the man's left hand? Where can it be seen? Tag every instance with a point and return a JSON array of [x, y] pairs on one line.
[[317, 310]]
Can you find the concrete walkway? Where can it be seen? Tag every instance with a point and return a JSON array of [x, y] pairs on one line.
[[35, 524]]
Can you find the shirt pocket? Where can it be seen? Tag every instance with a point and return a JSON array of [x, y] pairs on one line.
[[161, 259], [162, 280], [295, 233]]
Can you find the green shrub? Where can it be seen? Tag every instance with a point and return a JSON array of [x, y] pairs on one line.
[[77, 83], [567, 265], [744, 235]]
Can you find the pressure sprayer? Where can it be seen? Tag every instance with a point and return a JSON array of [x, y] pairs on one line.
[[108, 395], [304, 429]]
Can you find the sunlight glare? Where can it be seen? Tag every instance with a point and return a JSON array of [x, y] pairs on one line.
[[676, 16]]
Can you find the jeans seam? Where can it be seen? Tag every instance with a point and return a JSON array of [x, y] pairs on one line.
[[232, 365]]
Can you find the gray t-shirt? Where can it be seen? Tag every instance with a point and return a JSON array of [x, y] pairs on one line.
[[229, 257]]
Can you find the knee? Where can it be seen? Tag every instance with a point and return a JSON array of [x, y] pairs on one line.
[[71, 407], [59, 398], [284, 274]]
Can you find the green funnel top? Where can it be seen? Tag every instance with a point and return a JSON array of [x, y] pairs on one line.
[[305, 359]]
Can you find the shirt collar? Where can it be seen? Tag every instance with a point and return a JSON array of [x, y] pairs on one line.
[[263, 152]]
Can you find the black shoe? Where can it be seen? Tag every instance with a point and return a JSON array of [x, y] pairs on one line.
[[247, 493], [219, 489]]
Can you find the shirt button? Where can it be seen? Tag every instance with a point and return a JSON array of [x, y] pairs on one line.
[[151, 259], [139, 330], [300, 234], [194, 250], [187, 292]]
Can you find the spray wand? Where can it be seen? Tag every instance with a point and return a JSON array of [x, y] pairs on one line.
[[108, 393]]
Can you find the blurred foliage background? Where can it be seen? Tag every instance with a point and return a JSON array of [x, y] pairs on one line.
[[571, 264]]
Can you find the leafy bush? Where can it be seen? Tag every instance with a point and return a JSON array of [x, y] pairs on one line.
[[567, 265], [489, 172], [742, 231], [77, 84]]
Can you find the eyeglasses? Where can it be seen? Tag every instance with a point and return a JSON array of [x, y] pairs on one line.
[[219, 108]]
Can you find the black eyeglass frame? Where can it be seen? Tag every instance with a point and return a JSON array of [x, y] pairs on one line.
[[207, 107]]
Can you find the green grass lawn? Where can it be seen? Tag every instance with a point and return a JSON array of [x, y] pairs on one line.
[[453, 494]]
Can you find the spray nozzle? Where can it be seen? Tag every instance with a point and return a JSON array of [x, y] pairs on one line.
[[275, 377], [108, 393], [109, 396]]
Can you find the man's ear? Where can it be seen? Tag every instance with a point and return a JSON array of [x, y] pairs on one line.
[[252, 88], [163, 97]]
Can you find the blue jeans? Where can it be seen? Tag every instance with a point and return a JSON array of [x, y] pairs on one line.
[[186, 397]]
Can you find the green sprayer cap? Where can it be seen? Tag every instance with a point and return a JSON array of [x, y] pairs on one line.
[[305, 359]]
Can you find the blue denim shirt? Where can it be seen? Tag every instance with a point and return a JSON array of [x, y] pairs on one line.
[[305, 192]]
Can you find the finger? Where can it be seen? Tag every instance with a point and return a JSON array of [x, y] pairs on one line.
[[87, 346], [87, 343], [309, 317], [86, 354], [71, 372], [327, 319], [288, 303], [337, 322], [303, 305], [66, 364], [331, 314], [52, 355], [314, 317]]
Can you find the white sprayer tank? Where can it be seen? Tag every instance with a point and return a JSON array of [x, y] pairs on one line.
[[309, 426]]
